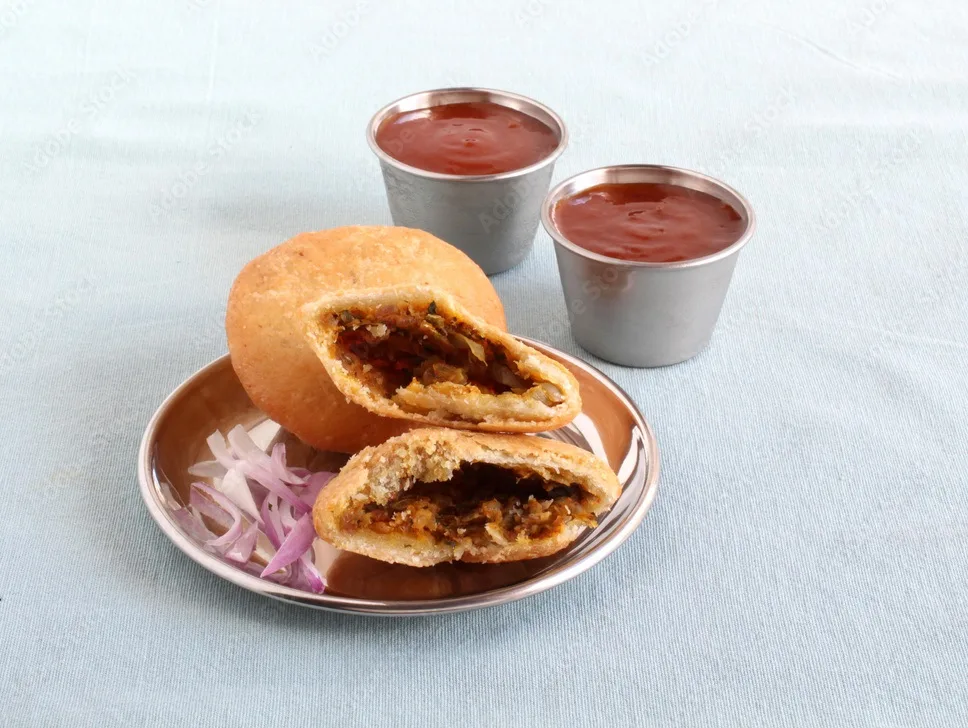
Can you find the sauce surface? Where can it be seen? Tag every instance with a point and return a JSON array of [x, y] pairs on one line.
[[648, 222], [464, 139]]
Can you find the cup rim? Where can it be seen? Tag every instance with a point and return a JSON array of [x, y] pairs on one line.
[[488, 94], [558, 193]]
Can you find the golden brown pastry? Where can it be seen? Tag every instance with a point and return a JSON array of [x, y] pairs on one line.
[[416, 353], [270, 354], [434, 495]]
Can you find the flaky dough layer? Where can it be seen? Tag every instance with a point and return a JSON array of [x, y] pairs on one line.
[[444, 404], [276, 365], [377, 474]]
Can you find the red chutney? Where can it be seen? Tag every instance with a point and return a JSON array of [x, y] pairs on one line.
[[463, 139], [648, 222]]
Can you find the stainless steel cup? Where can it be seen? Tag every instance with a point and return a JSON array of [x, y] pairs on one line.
[[644, 314], [494, 217]]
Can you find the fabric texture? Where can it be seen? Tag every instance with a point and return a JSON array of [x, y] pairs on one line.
[[806, 561]]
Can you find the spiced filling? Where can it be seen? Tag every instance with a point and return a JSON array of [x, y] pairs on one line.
[[394, 346], [480, 505]]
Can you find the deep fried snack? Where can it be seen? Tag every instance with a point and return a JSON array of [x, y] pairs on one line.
[[270, 354], [434, 495], [413, 352]]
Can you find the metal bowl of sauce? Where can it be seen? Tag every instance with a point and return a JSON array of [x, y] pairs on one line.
[[471, 166], [645, 254]]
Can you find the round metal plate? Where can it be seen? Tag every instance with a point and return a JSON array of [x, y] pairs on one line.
[[213, 399]]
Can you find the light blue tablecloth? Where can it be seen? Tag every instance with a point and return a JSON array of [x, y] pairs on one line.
[[806, 562]]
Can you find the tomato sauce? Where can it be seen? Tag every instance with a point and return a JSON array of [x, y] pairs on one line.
[[648, 222], [467, 139]]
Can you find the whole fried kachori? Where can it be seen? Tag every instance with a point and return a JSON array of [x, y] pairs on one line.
[[274, 362]]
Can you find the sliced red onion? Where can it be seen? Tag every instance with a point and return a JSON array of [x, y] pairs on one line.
[[205, 507], [313, 580], [236, 489], [244, 448], [241, 550], [191, 524], [216, 443], [299, 540], [316, 482], [270, 521], [257, 499], [207, 469], [288, 520], [223, 542], [283, 576], [274, 485], [258, 494], [278, 466]]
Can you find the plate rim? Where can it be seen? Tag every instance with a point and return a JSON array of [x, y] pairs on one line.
[[371, 607]]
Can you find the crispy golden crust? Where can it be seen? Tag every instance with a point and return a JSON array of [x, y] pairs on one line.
[[377, 474], [270, 354], [449, 405]]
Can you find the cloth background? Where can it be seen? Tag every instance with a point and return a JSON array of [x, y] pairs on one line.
[[805, 563]]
